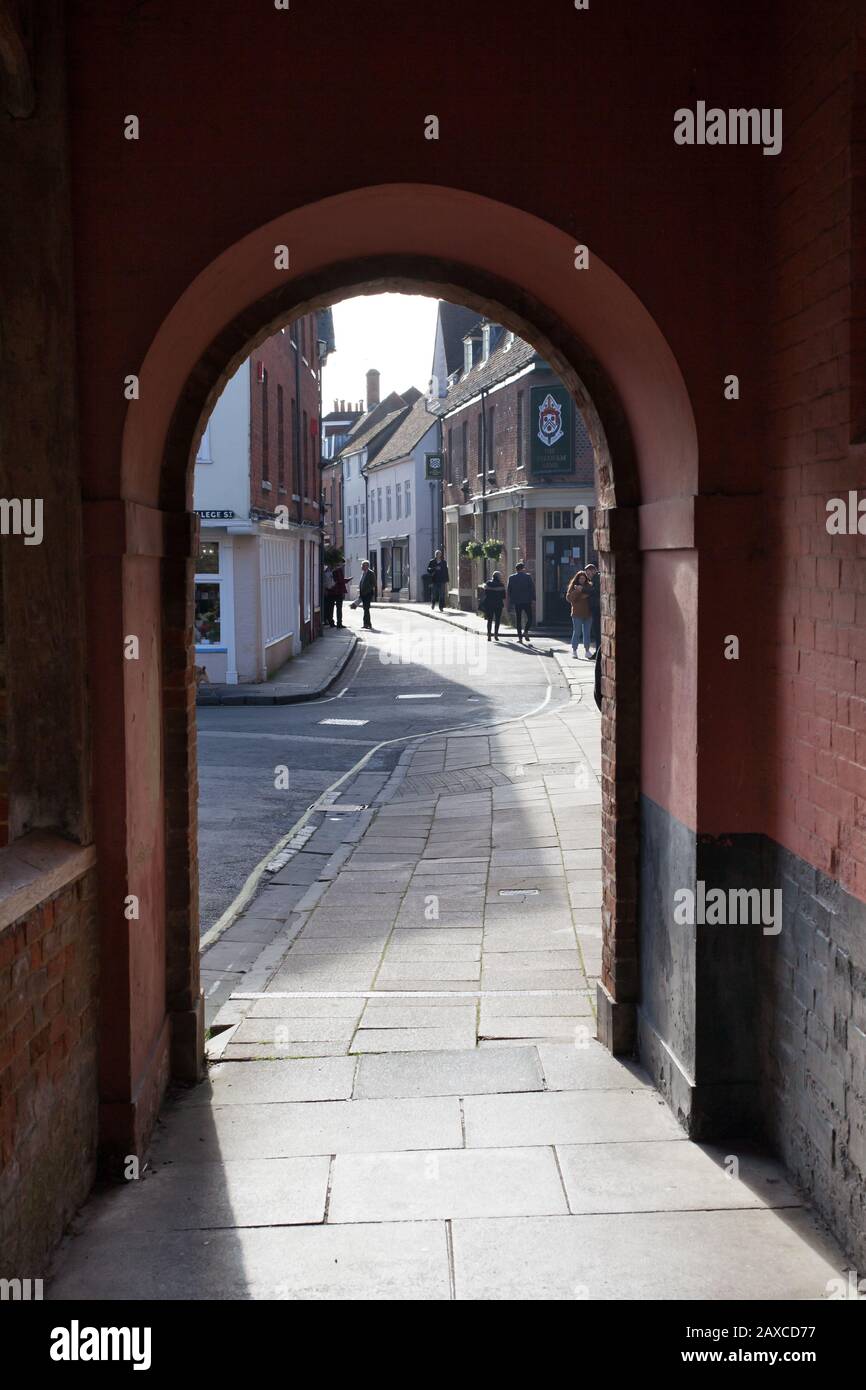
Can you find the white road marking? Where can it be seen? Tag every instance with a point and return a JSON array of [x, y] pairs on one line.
[[436, 696], [344, 721]]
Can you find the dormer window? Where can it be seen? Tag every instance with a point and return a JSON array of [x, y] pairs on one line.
[[486, 332], [467, 355]]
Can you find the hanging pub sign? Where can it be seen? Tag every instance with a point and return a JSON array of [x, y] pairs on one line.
[[433, 469], [551, 424]]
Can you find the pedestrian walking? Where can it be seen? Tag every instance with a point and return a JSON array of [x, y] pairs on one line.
[[366, 590], [439, 580], [492, 601], [328, 595], [519, 598], [338, 593], [594, 608], [578, 596]]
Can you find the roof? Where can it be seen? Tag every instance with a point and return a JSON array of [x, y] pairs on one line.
[[325, 329], [455, 321], [352, 415], [409, 432], [503, 362], [375, 435]]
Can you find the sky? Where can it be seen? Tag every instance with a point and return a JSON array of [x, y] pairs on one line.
[[393, 332]]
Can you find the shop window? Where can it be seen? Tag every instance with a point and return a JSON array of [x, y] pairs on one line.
[[208, 561], [207, 613]]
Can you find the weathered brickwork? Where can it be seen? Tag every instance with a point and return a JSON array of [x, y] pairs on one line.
[[279, 456], [814, 1044], [48, 1076]]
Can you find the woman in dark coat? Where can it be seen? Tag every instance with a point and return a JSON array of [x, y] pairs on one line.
[[491, 604]]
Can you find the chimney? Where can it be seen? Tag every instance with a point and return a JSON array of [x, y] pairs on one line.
[[336, 406], [372, 388]]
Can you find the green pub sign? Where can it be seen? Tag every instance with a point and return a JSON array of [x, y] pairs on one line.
[[433, 467], [551, 425]]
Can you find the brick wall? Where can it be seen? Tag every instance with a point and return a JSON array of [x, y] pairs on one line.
[[815, 1037], [277, 356], [48, 1076]]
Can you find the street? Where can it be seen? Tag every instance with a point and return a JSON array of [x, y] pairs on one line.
[[411, 675]]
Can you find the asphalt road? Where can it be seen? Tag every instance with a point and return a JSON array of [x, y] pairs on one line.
[[410, 676]]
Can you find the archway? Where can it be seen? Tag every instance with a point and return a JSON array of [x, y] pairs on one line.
[[604, 345]]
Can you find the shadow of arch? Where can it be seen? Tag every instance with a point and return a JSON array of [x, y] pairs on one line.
[[595, 333]]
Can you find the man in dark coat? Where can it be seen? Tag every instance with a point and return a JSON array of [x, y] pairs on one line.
[[439, 580], [366, 590], [519, 598]]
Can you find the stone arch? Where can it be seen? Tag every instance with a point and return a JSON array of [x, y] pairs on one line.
[[603, 343]]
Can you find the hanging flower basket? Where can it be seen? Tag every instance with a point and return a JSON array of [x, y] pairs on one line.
[[333, 555], [473, 549], [493, 549]]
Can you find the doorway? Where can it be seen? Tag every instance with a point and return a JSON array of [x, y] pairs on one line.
[[563, 557]]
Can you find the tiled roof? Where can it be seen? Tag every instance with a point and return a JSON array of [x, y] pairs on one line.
[[503, 362], [407, 434], [376, 435]]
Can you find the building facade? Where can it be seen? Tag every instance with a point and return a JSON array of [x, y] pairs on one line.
[[336, 426], [258, 500], [518, 470], [403, 506]]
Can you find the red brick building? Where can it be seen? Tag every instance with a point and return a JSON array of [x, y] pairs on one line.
[[508, 479], [336, 427], [714, 343]]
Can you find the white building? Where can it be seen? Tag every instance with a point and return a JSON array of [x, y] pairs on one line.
[[404, 508], [257, 585]]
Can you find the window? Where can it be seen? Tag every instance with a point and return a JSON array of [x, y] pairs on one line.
[[491, 438], [266, 461], [387, 501], [378, 504], [467, 354], [408, 498], [295, 465], [479, 451], [306, 456], [207, 595], [464, 452], [398, 512], [520, 441], [449, 457], [281, 442]]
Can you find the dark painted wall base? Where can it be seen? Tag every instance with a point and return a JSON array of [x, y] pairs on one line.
[[751, 1031]]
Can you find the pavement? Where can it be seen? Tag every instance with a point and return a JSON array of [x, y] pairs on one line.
[[305, 677], [405, 1097]]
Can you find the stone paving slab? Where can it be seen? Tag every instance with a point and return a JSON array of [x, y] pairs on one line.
[[264, 1082], [669, 1175], [708, 1255], [567, 1117], [466, 1073], [420, 1186], [315, 1127], [397, 1261], [204, 1196], [413, 1039]]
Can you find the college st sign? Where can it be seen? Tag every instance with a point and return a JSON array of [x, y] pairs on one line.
[[551, 424]]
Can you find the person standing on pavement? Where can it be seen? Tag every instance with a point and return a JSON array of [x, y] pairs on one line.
[[339, 591], [328, 593], [594, 608], [491, 603], [578, 595], [439, 580], [519, 598], [366, 590]]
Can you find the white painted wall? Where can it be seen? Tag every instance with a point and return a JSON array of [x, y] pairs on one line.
[[224, 483]]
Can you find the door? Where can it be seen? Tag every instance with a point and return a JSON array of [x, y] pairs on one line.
[[563, 557]]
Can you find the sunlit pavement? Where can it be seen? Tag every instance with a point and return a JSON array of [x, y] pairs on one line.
[[408, 1100]]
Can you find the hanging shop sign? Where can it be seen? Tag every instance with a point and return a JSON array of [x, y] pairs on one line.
[[552, 431], [433, 469]]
